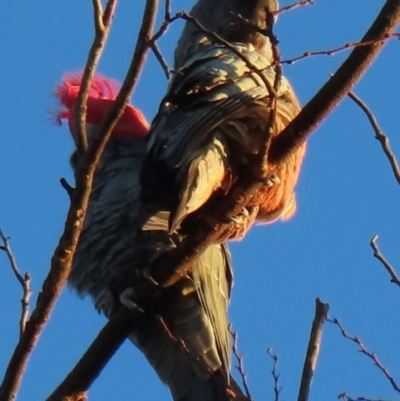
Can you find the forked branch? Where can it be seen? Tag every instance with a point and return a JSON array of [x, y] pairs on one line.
[[24, 280], [62, 257]]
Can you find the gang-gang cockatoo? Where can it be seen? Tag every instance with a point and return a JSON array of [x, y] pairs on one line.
[[186, 337], [215, 117]]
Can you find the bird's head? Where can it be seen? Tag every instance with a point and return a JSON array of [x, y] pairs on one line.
[[101, 96]]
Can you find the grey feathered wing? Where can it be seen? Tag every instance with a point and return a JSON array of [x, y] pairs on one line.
[[186, 338], [215, 112]]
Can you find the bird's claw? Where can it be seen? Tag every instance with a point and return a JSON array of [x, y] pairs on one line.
[[271, 180], [242, 216], [241, 223], [128, 299]]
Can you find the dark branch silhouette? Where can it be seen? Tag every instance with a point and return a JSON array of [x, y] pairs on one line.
[[97, 356], [294, 5], [24, 280], [394, 278], [102, 349], [379, 135], [331, 52], [314, 344], [240, 365], [366, 352], [275, 375]]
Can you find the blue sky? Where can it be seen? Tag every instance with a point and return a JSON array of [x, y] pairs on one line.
[[346, 194]]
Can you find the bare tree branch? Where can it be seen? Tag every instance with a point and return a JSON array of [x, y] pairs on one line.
[[240, 366], [319, 107], [102, 24], [62, 258], [157, 52], [97, 356], [295, 5], [275, 375], [115, 332], [314, 344], [24, 280], [134, 70], [366, 352], [68, 188], [347, 46], [379, 135], [167, 21], [98, 16], [346, 397], [394, 278]]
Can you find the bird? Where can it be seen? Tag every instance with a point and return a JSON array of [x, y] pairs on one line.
[[214, 119], [185, 336]]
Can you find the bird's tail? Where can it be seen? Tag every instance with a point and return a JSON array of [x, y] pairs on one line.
[[186, 378], [187, 341]]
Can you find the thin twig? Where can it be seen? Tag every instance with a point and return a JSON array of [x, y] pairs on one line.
[[365, 351], [157, 52], [98, 16], [314, 344], [240, 366], [276, 64], [327, 98], [102, 24], [167, 21], [24, 280], [275, 375], [294, 5], [132, 76], [264, 150], [347, 46], [167, 8], [157, 35], [394, 278], [346, 397], [379, 135], [70, 190]]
